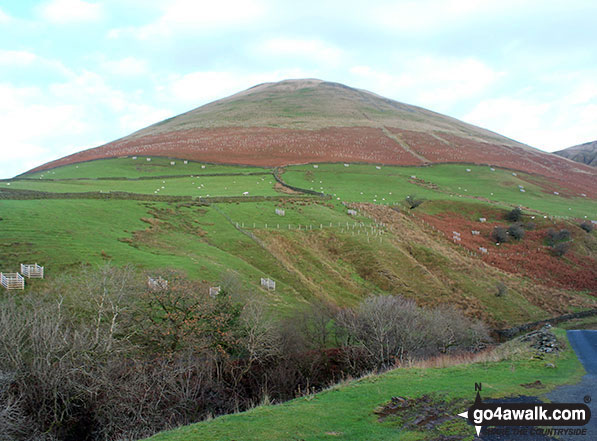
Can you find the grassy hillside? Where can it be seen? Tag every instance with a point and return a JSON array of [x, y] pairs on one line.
[[316, 250], [319, 254], [138, 167], [386, 185], [346, 412]]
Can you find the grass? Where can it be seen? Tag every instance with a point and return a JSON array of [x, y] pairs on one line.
[[334, 256], [345, 412], [184, 186], [136, 168], [390, 185]]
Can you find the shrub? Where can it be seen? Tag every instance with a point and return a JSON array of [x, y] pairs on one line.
[[514, 215], [561, 248], [501, 289], [499, 235], [516, 231], [391, 328], [587, 226], [413, 202], [554, 236]]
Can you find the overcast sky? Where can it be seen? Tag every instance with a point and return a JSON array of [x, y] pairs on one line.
[[75, 74]]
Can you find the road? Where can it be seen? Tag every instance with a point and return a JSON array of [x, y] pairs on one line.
[[584, 344]]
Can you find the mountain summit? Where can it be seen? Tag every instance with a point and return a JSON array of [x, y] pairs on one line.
[[310, 120]]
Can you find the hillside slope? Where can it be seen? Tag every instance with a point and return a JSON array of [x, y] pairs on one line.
[[584, 153], [303, 121]]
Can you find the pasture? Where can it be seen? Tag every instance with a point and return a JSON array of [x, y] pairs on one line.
[[140, 167], [391, 184], [198, 186]]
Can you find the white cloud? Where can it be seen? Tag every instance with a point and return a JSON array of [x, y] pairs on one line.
[[16, 58], [4, 17], [437, 83], [39, 125], [197, 88], [196, 16], [27, 128], [128, 66], [547, 123], [71, 11], [313, 49], [138, 116], [201, 87]]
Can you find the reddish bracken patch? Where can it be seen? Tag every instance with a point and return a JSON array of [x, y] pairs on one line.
[[260, 146], [268, 146], [446, 147], [529, 257]]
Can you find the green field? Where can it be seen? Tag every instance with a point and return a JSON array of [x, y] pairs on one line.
[[316, 250], [356, 183], [389, 185], [136, 168], [199, 240], [199, 186], [345, 412]]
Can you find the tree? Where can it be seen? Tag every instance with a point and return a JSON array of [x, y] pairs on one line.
[[413, 201], [501, 289], [514, 215], [182, 315], [553, 236], [587, 226], [499, 235], [561, 248], [516, 231]]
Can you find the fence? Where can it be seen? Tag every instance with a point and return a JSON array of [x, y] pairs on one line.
[[268, 283], [32, 271], [12, 281]]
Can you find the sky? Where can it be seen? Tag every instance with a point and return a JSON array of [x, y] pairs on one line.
[[76, 74]]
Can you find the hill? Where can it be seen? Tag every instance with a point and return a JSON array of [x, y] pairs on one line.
[[584, 153], [303, 121], [334, 237]]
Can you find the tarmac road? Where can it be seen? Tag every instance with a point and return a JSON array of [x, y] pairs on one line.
[[584, 343]]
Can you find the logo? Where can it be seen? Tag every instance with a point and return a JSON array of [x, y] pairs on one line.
[[523, 415]]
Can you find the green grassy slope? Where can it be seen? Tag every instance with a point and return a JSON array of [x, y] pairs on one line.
[[135, 168], [345, 412], [199, 186], [315, 251], [386, 185]]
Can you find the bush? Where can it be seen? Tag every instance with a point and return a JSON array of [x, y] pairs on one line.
[[554, 236], [561, 248], [514, 215], [516, 231], [391, 328], [501, 289], [499, 235], [587, 226], [413, 202]]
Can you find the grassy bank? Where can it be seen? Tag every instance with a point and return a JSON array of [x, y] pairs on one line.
[[345, 412]]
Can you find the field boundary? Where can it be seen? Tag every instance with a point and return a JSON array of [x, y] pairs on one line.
[[140, 178], [12, 194], [279, 179], [505, 334]]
